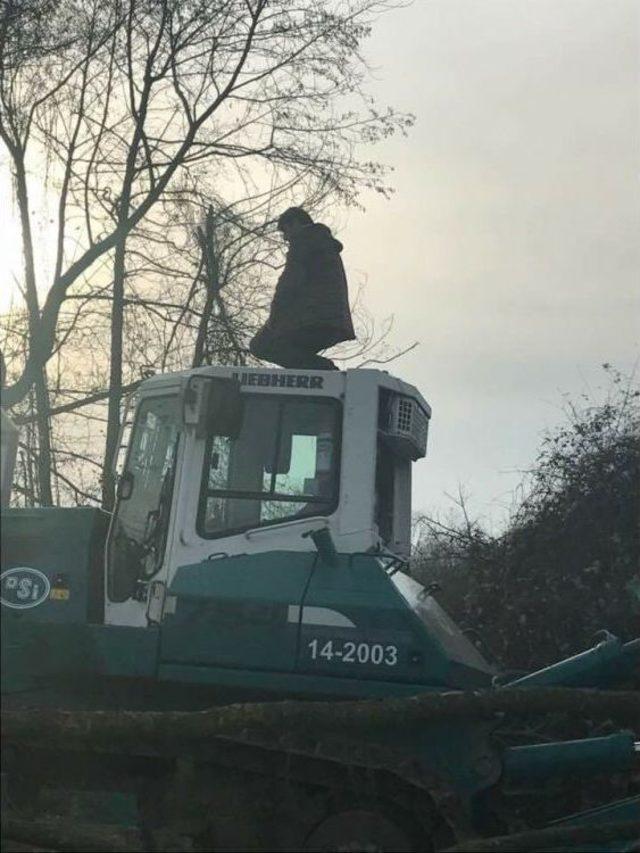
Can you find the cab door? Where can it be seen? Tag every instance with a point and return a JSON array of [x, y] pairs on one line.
[[239, 607], [141, 523]]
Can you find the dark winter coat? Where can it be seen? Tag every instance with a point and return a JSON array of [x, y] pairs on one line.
[[312, 290]]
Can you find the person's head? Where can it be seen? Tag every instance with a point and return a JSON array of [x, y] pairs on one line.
[[292, 220]]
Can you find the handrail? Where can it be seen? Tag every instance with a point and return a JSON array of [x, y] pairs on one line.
[[312, 519]]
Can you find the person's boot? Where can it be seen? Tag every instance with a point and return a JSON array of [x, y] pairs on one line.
[[319, 362]]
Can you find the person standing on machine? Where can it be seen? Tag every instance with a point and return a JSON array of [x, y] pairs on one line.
[[310, 309]]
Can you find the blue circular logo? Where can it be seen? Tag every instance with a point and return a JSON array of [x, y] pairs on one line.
[[23, 587]]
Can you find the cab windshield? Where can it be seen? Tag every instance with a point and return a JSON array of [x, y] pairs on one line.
[[283, 465]]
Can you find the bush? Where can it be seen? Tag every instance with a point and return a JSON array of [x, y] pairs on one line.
[[568, 564]]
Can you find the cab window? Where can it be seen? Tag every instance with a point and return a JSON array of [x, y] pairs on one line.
[[283, 465]]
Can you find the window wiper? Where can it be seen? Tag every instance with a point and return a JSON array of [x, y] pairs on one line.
[[394, 562]]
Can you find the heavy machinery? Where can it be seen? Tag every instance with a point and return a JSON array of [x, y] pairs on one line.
[[259, 551]]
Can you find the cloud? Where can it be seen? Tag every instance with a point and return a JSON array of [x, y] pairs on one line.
[[510, 248]]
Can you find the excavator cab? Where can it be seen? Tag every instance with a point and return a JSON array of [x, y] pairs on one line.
[[224, 462], [229, 479]]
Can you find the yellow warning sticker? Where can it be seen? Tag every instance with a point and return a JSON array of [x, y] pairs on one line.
[[59, 594]]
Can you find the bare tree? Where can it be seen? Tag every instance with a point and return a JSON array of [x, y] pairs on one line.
[[142, 106]]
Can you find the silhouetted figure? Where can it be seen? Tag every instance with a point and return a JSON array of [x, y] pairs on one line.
[[310, 309]]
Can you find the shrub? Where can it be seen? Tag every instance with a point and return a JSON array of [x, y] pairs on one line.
[[568, 563]]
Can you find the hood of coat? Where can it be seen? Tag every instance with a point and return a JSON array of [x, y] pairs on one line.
[[315, 237]]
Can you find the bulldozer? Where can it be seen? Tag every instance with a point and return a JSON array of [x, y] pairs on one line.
[[240, 649]]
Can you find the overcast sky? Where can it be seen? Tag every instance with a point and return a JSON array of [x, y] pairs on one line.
[[511, 248]]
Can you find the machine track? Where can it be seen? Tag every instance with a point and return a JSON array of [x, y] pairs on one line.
[[268, 777]]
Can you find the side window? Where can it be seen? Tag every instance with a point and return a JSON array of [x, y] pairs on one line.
[[384, 492], [283, 465], [139, 529]]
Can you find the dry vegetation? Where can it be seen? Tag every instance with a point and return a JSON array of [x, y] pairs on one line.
[[568, 564]]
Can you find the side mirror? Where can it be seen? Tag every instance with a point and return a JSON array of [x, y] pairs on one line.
[[214, 405], [283, 462]]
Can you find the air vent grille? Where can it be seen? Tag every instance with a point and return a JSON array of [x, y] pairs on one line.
[[410, 423]]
